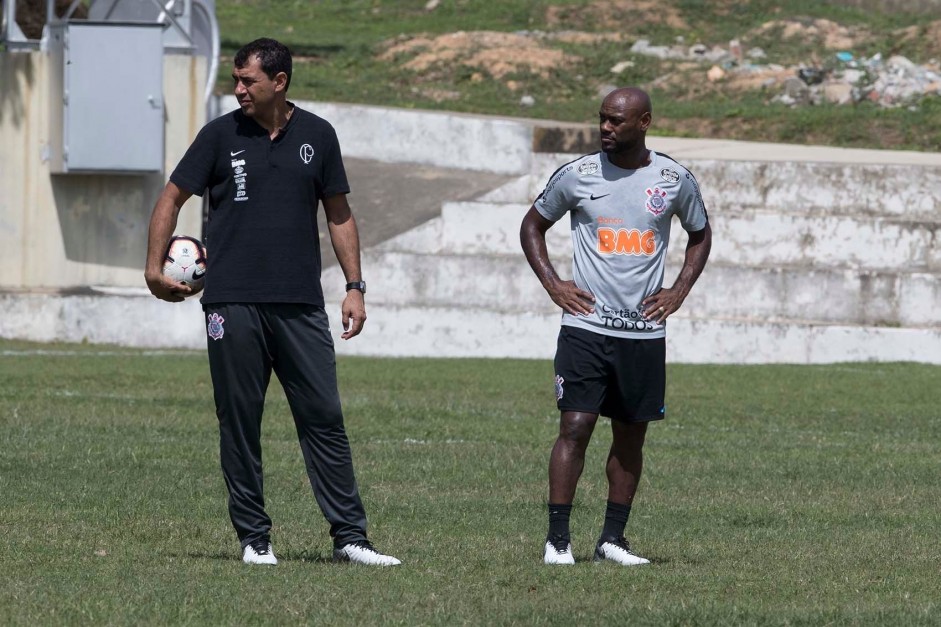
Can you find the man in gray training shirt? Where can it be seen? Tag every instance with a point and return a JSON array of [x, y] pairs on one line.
[[610, 358]]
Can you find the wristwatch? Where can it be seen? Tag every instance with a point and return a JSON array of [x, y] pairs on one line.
[[356, 285]]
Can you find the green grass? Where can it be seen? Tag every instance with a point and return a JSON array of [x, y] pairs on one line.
[[338, 46], [783, 495]]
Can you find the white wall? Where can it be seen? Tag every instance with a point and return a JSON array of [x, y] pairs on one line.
[[61, 231], [447, 140]]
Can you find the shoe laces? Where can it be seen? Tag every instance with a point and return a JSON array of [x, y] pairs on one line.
[[260, 546], [559, 543], [366, 545], [620, 542]]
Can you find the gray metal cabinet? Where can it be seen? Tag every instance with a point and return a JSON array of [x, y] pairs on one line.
[[107, 97]]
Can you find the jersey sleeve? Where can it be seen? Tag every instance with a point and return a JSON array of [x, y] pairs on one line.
[[559, 195], [691, 210], [194, 171], [334, 174]]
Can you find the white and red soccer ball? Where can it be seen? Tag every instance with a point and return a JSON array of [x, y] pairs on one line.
[[185, 261]]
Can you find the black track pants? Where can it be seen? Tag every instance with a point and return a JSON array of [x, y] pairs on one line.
[[247, 341]]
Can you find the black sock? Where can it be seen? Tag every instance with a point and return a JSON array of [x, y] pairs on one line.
[[559, 520], [615, 519]]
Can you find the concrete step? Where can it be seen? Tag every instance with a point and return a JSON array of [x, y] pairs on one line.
[[763, 237], [123, 316], [448, 332], [506, 284], [386, 203], [747, 237], [827, 295], [451, 332], [903, 191], [501, 284], [809, 265]]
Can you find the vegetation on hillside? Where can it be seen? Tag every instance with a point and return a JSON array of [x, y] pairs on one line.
[[554, 60], [718, 69]]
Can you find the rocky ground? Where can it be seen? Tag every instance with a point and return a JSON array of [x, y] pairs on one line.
[[832, 73]]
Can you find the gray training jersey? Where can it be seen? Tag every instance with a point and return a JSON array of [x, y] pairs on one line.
[[620, 231]]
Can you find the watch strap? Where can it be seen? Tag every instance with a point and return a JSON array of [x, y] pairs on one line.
[[356, 285]]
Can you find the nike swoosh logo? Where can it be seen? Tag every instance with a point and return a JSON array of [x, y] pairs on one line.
[[593, 197], [235, 154]]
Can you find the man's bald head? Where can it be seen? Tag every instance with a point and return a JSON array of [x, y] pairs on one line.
[[629, 98], [624, 118]]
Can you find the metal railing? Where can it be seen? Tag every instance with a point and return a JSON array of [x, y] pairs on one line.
[[201, 37]]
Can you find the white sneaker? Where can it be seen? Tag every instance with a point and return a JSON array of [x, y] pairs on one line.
[[558, 551], [617, 550], [362, 552], [259, 552]]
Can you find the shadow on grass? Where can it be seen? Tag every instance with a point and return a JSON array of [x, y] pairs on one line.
[[288, 556], [589, 558], [306, 556]]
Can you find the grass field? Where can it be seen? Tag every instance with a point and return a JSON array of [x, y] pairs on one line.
[[773, 495]]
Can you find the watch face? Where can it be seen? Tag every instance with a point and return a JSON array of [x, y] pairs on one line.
[[356, 285]]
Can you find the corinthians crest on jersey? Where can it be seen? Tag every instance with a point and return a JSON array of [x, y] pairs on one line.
[[656, 201]]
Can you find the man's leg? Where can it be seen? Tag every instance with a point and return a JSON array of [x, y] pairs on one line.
[[568, 455], [580, 384], [566, 463], [640, 376], [306, 366], [240, 369], [625, 461]]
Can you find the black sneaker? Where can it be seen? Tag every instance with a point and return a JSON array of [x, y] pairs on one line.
[[617, 550]]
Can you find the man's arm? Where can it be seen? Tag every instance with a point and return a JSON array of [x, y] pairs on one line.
[[162, 223], [345, 239], [669, 299], [565, 294]]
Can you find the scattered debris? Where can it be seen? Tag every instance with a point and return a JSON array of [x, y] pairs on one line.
[[617, 68], [841, 77], [811, 75], [715, 73], [892, 83], [795, 92], [735, 49], [837, 93]]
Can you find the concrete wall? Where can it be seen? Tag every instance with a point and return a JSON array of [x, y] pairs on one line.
[[62, 231], [443, 139], [820, 254]]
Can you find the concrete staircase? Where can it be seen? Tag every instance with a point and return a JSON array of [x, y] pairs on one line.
[[811, 263], [821, 254]]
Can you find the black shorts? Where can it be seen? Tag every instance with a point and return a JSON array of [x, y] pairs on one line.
[[621, 378]]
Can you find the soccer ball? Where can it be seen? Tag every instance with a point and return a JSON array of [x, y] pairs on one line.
[[185, 261]]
